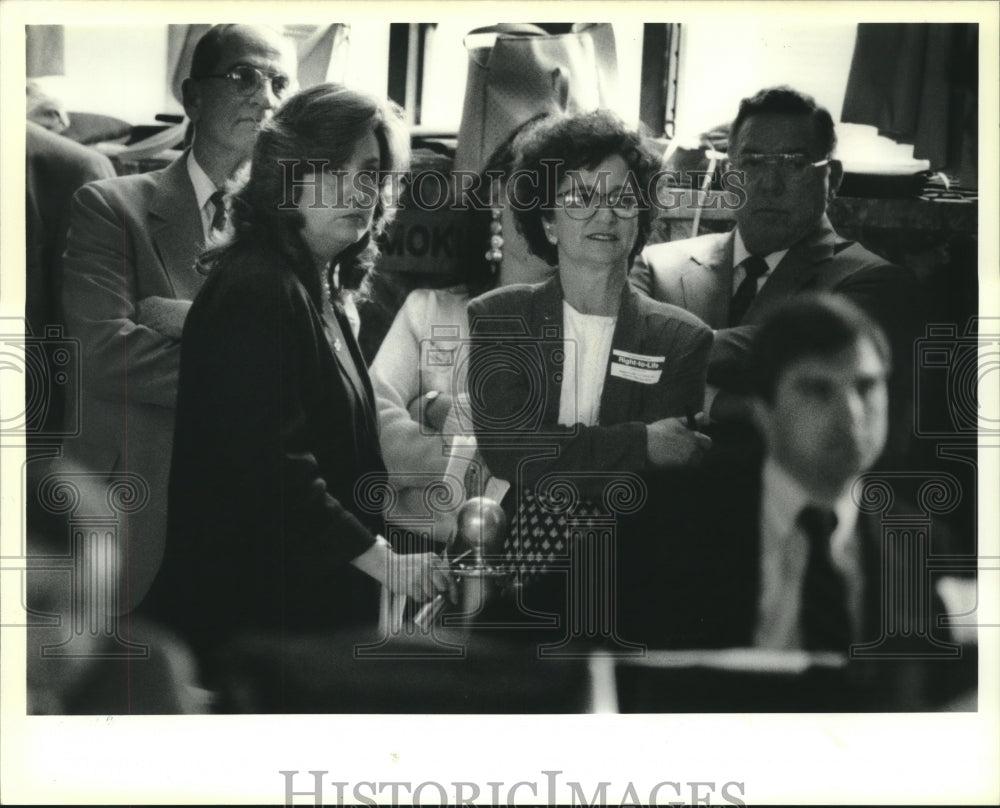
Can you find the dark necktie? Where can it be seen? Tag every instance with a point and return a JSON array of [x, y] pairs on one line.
[[219, 217], [826, 625], [754, 266]]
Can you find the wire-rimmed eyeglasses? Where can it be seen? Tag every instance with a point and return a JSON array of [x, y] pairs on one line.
[[790, 165], [623, 203], [247, 80]]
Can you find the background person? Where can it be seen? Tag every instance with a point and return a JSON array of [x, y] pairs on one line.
[[276, 420], [414, 374], [783, 244], [130, 274]]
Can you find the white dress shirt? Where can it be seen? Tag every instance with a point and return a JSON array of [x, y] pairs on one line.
[[784, 550], [587, 340], [741, 253], [203, 190]]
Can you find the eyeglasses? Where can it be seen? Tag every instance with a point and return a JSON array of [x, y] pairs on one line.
[[795, 166], [623, 204], [247, 80]]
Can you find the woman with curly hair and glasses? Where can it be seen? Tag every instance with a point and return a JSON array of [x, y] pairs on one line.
[[580, 383]]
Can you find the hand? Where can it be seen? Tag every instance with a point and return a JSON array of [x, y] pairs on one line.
[[431, 409], [420, 576], [669, 443]]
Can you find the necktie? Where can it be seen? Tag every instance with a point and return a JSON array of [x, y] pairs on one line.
[[825, 622], [754, 266], [219, 217]]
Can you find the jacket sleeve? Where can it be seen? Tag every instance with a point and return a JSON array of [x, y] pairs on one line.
[[99, 289], [889, 294], [507, 396], [256, 353], [687, 352], [407, 446]]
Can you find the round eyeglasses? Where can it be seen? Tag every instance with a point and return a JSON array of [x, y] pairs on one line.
[[577, 205], [247, 80]]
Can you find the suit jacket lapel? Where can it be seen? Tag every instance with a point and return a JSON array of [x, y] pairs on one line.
[[796, 271], [175, 228], [707, 280], [617, 399], [548, 313]]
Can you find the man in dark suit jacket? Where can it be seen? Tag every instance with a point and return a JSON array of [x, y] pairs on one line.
[[130, 273], [797, 558], [783, 244]]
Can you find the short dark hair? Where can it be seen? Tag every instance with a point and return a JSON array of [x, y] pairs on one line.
[[323, 123], [808, 325], [576, 142], [785, 100]]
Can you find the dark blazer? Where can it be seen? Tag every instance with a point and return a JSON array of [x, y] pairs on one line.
[[516, 413], [131, 238], [272, 437], [697, 275], [709, 573]]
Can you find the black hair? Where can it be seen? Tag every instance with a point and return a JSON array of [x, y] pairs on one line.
[[576, 142], [808, 325], [785, 100]]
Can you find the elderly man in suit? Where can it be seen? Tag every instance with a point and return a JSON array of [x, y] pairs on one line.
[[130, 273], [783, 244]]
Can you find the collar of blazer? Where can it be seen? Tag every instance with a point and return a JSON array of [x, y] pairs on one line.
[[174, 219], [629, 335], [707, 293]]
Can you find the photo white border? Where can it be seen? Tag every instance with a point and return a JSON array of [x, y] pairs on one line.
[[927, 758]]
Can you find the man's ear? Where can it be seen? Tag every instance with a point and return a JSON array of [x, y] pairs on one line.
[[836, 176], [191, 93]]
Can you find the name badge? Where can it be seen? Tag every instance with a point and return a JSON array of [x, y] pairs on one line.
[[636, 367]]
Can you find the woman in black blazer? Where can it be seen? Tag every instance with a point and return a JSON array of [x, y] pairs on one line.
[[273, 523]]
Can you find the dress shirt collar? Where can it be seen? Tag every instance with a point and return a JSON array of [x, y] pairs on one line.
[[741, 253], [203, 186], [203, 190], [783, 498]]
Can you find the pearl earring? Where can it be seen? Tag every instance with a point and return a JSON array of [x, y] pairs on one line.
[[495, 253]]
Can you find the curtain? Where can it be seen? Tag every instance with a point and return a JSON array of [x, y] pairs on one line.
[[918, 83], [44, 49]]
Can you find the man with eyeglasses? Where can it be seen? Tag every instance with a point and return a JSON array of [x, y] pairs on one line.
[[130, 274], [782, 143]]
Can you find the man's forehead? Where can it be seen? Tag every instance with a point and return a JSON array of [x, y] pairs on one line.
[[254, 45], [776, 133]]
